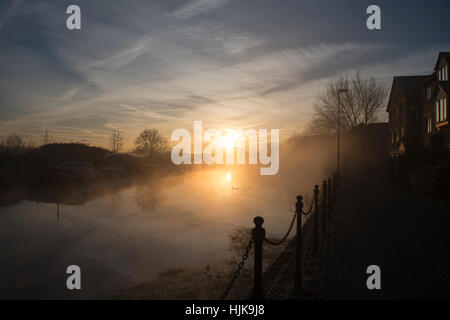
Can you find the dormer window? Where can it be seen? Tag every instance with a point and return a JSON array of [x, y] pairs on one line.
[[443, 74]]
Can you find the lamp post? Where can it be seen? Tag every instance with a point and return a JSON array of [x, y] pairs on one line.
[[339, 130]]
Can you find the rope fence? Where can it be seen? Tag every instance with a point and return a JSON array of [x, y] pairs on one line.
[[321, 210]]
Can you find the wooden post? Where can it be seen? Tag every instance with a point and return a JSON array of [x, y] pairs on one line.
[[259, 234], [316, 220], [299, 245], [324, 206]]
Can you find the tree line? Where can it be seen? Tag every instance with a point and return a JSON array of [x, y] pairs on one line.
[[149, 142]]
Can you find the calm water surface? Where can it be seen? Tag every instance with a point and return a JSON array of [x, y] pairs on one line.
[[129, 235]]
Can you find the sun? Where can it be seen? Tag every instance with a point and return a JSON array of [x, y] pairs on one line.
[[228, 141], [228, 176]]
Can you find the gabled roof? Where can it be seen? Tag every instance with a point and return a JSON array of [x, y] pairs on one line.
[[409, 85], [445, 55]]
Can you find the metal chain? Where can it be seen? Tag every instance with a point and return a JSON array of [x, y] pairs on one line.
[[286, 235], [310, 208], [238, 270]]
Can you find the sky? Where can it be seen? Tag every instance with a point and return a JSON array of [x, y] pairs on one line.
[[165, 63]]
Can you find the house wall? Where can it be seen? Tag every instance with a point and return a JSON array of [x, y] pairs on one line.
[[397, 119]]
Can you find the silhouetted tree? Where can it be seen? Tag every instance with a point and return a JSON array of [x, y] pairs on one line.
[[361, 104], [116, 141], [150, 142], [14, 142]]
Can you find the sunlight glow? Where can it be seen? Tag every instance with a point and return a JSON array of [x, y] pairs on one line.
[[228, 176], [228, 141]]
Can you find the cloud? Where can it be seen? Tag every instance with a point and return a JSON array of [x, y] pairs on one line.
[[197, 7], [285, 69], [133, 66], [417, 62], [10, 12]]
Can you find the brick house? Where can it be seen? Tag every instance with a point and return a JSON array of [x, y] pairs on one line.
[[418, 122]]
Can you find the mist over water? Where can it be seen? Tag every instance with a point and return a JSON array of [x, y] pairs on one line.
[[124, 234]]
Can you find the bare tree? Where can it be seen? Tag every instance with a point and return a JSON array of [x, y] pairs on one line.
[[361, 104], [14, 142], [150, 142], [116, 141]]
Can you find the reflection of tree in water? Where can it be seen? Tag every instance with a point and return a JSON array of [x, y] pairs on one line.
[[149, 196]]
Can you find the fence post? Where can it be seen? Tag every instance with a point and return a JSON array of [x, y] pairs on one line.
[[259, 234], [316, 220], [334, 188], [325, 205], [338, 180], [299, 245], [330, 203]]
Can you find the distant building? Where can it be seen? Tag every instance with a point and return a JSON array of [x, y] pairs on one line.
[[418, 120]]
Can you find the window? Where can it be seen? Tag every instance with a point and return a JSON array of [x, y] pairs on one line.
[[443, 74], [444, 108], [394, 136], [436, 111], [429, 125], [441, 110]]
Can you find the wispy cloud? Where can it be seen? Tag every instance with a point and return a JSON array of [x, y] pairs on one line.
[[134, 66], [197, 7]]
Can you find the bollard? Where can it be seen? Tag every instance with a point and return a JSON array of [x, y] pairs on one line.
[[324, 206], [338, 180], [334, 188], [330, 204], [259, 234], [299, 245], [316, 220]]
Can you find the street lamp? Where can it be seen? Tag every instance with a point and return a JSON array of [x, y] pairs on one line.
[[339, 130]]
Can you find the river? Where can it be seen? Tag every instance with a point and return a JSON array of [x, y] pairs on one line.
[[128, 234]]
